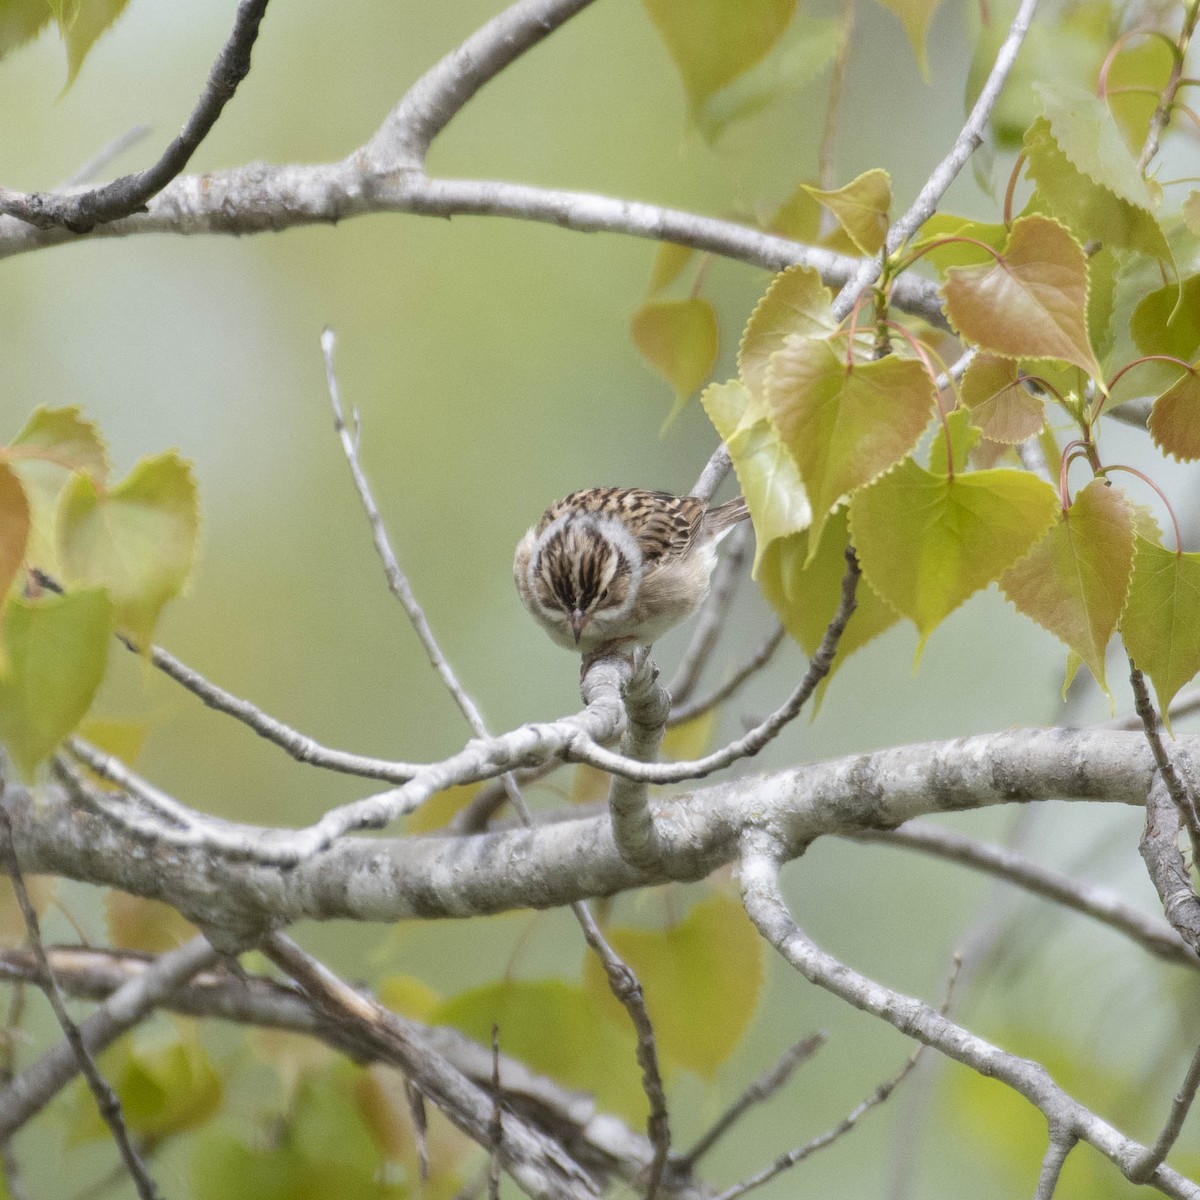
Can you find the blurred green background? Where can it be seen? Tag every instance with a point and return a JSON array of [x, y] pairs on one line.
[[491, 364]]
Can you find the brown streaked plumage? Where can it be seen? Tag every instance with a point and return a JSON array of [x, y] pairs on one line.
[[619, 564]]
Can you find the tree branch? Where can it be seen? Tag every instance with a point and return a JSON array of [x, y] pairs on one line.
[[82, 211], [759, 878]]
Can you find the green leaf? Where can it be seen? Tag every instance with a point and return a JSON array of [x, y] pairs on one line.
[[844, 426], [54, 443], [862, 208], [21, 21], [1031, 302], [1191, 212], [670, 261], [14, 528], [56, 649], [942, 251], [1094, 208], [135, 923], [765, 470], [806, 594], [1167, 320], [915, 16], [557, 1028], [703, 979], [165, 1089], [963, 438], [712, 42], [807, 47], [82, 28], [1074, 581], [1161, 622], [796, 302], [678, 338], [1175, 418], [1003, 408], [928, 542], [137, 539]]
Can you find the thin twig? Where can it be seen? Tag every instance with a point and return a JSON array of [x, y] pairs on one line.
[[756, 662], [540, 1166], [106, 1098], [496, 1129], [1061, 1144], [761, 894], [713, 616], [128, 1000], [1184, 704], [827, 154], [763, 733], [105, 155], [621, 977], [759, 1091], [1151, 933], [1180, 792], [1180, 1107], [83, 211], [821, 1141], [297, 745]]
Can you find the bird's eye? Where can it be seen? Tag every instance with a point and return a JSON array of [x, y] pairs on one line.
[[603, 595]]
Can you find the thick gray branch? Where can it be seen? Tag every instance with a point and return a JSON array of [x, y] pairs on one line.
[[389, 879]]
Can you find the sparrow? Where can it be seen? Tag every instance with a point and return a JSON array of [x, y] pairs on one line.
[[622, 565]]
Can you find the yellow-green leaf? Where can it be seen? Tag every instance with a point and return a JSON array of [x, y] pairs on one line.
[[937, 239], [55, 651], [915, 16], [796, 302], [1167, 320], [1074, 581], [1003, 408], [165, 1089], [1161, 621], [670, 261], [21, 21], [955, 439], [806, 594], [844, 426], [765, 470], [82, 25], [928, 542], [557, 1028], [53, 443], [137, 539], [678, 338], [408, 996], [1174, 422], [135, 923], [807, 47], [714, 41], [1191, 212], [1031, 302], [14, 528], [702, 979], [1095, 210], [862, 208]]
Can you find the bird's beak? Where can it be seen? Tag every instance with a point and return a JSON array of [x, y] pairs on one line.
[[578, 620]]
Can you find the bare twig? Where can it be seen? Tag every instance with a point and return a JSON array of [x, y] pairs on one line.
[[711, 620], [128, 999], [1180, 1107], [759, 878], [759, 1091], [755, 663], [297, 745], [94, 165], [1177, 787], [1151, 933], [106, 1099], [540, 1167], [1061, 1144], [1168, 872], [1184, 704], [496, 1128], [627, 988], [82, 211], [827, 154], [786, 1161]]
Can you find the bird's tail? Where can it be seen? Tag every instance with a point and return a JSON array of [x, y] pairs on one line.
[[725, 516]]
